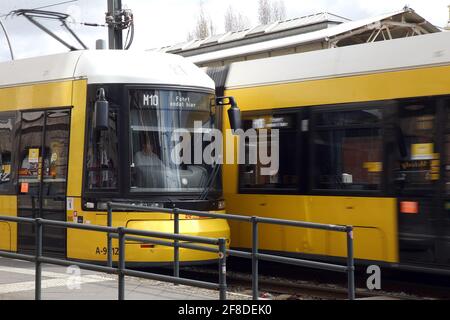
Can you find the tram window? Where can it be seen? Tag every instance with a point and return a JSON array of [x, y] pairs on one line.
[[102, 155], [156, 163], [6, 167], [255, 176], [347, 118], [348, 157], [418, 165]]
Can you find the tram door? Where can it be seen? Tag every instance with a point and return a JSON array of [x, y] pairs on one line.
[[43, 165], [423, 143]]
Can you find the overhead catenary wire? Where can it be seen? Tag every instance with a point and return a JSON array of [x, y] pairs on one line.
[[119, 20], [37, 8], [56, 4], [130, 36], [88, 24], [31, 15], [3, 15], [7, 39]]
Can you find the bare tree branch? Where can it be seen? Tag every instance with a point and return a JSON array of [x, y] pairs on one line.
[[204, 26], [269, 11], [264, 12], [279, 10], [235, 21]]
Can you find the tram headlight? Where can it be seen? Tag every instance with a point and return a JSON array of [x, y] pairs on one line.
[[89, 205]]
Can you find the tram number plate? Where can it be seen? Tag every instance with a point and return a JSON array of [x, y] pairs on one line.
[[191, 217], [104, 251]]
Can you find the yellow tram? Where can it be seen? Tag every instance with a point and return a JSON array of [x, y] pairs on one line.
[[364, 140], [62, 158]]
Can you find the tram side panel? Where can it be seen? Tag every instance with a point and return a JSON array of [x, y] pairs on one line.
[[375, 218], [8, 231], [14, 101]]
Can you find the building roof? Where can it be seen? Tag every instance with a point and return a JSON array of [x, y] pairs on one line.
[[343, 32], [258, 31]]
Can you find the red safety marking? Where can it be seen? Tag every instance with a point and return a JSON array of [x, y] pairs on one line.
[[147, 246], [409, 207]]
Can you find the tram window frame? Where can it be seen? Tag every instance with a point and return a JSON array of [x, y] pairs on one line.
[[10, 187], [444, 103], [300, 186], [129, 154], [114, 94], [430, 105], [126, 148], [316, 129]]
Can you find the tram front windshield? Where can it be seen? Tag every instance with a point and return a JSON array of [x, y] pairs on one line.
[[167, 142]]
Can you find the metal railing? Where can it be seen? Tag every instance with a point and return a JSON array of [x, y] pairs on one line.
[[122, 234], [255, 256]]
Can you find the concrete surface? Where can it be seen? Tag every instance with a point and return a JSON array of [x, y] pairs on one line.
[[61, 283]]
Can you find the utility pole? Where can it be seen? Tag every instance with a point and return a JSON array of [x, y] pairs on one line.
[[115, 34]]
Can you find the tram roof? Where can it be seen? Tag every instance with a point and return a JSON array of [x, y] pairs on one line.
[[105, 66], [384, 56]]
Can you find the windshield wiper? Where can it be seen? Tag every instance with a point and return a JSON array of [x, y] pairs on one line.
[[211, 181]]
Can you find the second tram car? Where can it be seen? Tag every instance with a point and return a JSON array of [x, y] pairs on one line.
[[364, 140]]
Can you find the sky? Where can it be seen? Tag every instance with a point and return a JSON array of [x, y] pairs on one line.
[[166, 22]]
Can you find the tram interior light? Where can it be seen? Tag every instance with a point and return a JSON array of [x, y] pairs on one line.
[[101, 111]]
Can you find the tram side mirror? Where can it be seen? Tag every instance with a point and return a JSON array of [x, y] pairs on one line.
[[234, 113], [101, 111]]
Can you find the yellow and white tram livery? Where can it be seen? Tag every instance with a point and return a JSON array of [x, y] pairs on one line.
[[61, 159], [364, 140]]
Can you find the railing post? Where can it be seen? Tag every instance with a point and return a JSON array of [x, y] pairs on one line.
[[121, 263], [255, 267], [109, 239], [176, 248], [350, 264], [38, 264], [223, 268]]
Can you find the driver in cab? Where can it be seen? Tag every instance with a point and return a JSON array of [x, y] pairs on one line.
[[146, 157]]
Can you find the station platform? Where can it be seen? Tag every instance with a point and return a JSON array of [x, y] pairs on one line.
[[61, 283]]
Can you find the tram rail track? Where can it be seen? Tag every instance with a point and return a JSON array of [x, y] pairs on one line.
[[288, 289], [277, 283]]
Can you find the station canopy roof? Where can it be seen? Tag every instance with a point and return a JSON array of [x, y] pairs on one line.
[[331, 29], [258, 31]]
